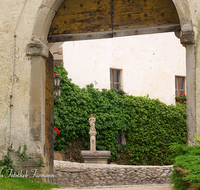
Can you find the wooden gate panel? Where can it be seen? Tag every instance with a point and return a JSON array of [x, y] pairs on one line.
[[95, 19], [131, 14], [82, 16], [49, 120]]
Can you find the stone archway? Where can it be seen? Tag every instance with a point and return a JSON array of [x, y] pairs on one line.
[[39, 52]]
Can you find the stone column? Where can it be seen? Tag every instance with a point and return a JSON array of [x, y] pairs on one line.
[[187, 40], [93, 140]]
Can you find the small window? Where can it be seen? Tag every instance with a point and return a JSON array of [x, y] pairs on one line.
[[121, 138], [115, 78], [179, 85]]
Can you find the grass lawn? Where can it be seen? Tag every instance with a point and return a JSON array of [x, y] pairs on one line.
[[23, 184]]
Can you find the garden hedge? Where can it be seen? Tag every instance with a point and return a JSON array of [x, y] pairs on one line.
[[150, 125]]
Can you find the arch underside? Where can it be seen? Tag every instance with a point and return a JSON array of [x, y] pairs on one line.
[[94, 19]]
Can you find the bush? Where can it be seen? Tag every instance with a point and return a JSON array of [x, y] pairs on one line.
[[150, 125], [186, 173], [6, 164]]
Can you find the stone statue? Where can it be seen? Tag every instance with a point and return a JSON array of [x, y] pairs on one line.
[[92, 120], [92, 133]]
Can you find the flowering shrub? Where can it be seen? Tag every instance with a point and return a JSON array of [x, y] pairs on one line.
[[56, 132], [120, 91], [182, 98], [123, 155]]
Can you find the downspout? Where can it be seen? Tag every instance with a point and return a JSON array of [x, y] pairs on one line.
[[13, 77]]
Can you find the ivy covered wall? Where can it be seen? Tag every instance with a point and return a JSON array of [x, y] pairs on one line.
[[150, 125]]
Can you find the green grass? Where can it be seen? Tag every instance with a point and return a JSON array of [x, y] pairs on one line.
[[23, 184]]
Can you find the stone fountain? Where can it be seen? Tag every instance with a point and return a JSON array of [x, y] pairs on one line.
[[93, 156]]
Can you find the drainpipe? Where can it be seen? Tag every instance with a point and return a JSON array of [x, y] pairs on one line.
[[13, 76]]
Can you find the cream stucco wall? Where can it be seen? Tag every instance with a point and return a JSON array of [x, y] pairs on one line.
[[16, 27], [149, 63]]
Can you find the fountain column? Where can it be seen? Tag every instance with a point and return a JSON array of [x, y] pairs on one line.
[[93, 156]]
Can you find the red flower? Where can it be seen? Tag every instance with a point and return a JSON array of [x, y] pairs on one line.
[[54, 74], [184, 94], [123, 91], [118, 149], [183, 97], [180, 94], [111, 89], [121, 153], [129, 151], [181, 102], [56, 130]]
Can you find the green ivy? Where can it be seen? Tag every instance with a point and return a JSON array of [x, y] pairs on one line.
[[150, 125]]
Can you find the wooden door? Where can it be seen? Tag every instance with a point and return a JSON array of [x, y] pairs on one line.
[[94, 19], [49, 120]]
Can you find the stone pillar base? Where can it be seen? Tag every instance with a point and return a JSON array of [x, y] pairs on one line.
[[95, 157], [60, 155]]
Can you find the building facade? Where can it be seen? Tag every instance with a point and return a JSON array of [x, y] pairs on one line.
[[141, 65]]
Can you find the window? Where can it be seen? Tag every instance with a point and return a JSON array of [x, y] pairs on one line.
[[179, 85], [115, 78], [121, 138]]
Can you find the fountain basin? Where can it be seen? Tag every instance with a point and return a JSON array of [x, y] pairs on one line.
[[95, 157]]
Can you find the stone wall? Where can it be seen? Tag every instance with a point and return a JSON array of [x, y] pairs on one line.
[[70, 174]]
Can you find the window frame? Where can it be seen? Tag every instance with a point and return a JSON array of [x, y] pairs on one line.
[[112, 79], [178, 85]]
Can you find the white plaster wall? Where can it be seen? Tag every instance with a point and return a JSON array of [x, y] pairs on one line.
[[10, 15], [149, 63]]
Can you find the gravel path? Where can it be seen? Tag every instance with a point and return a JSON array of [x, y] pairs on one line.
[[136, 187]]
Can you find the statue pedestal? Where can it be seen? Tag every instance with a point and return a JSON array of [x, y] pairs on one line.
[[93, 140], [95, 157]]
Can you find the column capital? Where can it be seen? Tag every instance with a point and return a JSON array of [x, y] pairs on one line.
[[37, 48], [187, 37]]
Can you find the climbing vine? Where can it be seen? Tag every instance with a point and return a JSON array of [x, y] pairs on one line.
[[150, 125]]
